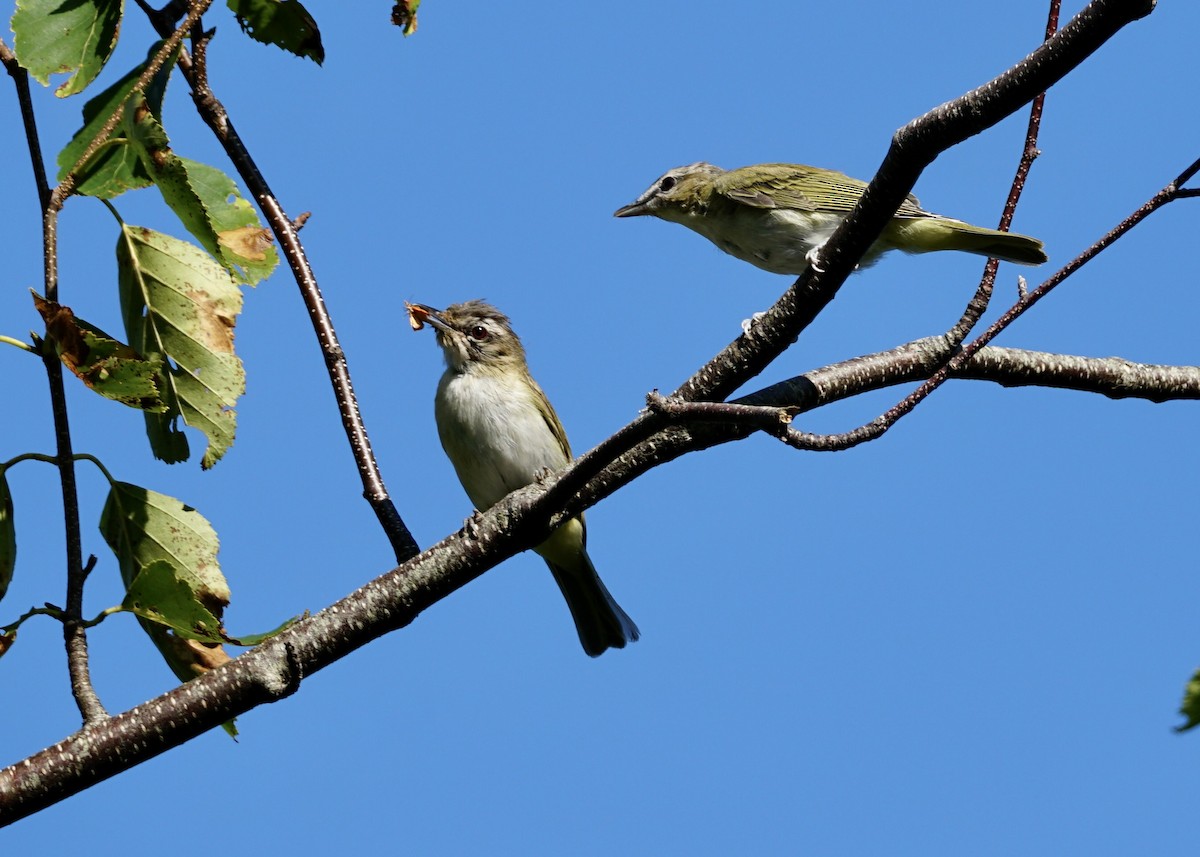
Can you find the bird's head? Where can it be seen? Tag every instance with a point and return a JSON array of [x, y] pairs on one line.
[[675, 194]]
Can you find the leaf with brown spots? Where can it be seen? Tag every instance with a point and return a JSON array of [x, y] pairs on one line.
[[111, 368], [206, 201], [180, 306]]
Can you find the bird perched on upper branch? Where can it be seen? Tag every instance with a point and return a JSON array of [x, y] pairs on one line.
[[775, 216]]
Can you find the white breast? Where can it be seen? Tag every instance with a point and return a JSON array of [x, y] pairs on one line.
[[494, 434], [776, 240]]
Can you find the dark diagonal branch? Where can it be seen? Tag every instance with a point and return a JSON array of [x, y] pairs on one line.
[[194, 69]]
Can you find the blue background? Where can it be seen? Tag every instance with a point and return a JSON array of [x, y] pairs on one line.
[[970, 637]]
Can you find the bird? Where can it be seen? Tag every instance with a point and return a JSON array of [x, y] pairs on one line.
[[776, 216], [501, 433]]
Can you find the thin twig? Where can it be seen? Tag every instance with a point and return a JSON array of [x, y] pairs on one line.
[[17, 343], [772, 409], [173, 39], [978, 304]]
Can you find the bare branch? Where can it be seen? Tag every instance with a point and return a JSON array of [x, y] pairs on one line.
[[194, 69], [771, 410], [978, 304]]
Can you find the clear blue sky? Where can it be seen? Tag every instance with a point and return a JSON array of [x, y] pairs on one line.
[[970, 637]]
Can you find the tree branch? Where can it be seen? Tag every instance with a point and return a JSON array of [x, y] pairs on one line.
[[194, 70], [978, 304], [772, 410]]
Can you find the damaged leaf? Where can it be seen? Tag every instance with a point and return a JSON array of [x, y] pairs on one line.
[[111, 368], [180, 305], [204, 199]]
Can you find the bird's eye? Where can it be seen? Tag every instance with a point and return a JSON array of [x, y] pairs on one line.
[[479, 333], [666, 184]]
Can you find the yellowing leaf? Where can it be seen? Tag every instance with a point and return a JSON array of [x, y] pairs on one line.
[[111, 368], [249, 242], [206, 200], [180, 305], [404, 16]]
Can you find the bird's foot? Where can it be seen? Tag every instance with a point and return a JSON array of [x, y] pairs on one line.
[[472, 525], [747, 323], [811, 258]]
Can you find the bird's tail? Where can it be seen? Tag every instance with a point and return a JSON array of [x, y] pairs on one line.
[[599, 619], [928, 234]]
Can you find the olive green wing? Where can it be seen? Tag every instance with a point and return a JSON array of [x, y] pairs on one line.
[[560, 434], [798, 187]]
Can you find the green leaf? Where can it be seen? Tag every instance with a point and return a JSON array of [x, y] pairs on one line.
[[8, 537], [111, 368], [255, 639], [167, 553], [163, 595], [142, 526], [244, 244], [176, 548], [73, 37], [1190, 708], [115, 168], [206, 200], [179, 304], [285, 23]]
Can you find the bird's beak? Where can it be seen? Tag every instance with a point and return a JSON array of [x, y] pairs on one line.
[[634, 209], [421, 314]]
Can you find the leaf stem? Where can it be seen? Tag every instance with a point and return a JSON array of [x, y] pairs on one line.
[[17, 343]]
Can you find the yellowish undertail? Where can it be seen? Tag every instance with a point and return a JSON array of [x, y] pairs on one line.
[[930, 234]]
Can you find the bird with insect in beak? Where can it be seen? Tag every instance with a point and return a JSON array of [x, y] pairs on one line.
[[776, 216], [500, 432]]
